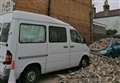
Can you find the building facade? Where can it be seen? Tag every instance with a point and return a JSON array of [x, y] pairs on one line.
[[75, 12], [7, 6], [110, 18], [99, 31]]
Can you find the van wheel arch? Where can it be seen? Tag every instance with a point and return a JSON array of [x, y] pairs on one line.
[[85, 59], [34, 66]]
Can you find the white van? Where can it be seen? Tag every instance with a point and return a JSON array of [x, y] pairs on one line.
[[38, 44]]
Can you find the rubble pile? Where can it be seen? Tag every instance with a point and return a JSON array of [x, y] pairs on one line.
[[101, 44], [101, 70]]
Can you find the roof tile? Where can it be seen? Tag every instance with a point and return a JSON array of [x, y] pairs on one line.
[[112, 13]]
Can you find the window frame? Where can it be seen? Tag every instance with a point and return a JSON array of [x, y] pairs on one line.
[[9, 23], [58, 27], [45, 27], [76, 33]]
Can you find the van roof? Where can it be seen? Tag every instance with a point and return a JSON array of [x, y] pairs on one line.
[[17, 14], [36, 17]]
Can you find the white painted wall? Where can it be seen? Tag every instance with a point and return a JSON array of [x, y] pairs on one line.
[[110, 22], [1, 1], [7, 7]]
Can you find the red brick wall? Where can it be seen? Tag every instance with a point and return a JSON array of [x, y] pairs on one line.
[[75, 12], [37, 6]]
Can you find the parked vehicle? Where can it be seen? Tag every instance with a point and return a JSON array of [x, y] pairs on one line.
[[108, 47], [113, 49], [38, 44]]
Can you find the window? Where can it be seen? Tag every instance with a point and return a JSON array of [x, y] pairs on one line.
[[4, 32], [57, 34], [30, 33], [75, 36]]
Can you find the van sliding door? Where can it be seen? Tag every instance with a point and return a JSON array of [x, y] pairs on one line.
[[58, 49]]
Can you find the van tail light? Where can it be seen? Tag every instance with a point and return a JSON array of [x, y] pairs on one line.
[[8, 58], [13, 65]]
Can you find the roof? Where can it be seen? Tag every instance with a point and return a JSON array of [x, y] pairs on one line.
[[99, 24], [34, 17], [111, 13]]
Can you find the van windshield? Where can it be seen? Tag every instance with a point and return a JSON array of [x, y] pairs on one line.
[[4, 31]]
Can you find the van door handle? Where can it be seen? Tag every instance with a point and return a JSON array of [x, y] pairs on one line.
[[72, 46], [65, 46]]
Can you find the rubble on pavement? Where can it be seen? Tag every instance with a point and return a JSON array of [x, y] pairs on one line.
[[101, 44], [101, 70]]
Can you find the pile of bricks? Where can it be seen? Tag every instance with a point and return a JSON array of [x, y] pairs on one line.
[[101, 44], [101, 70]]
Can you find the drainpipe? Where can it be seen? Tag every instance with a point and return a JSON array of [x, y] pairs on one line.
[[91, 23], [49, 7], [14, 7]]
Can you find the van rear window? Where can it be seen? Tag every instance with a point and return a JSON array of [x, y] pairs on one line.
[[4, 32], [32, 33]]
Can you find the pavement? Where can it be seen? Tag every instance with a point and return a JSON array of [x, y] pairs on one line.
[[49, 79], [53, 77]]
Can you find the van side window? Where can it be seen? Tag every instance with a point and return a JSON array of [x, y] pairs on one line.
[[75, 36], [32, 33], [57, 34]]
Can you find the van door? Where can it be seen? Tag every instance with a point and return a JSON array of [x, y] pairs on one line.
[[58, 49], [32, 46], [76, 48]]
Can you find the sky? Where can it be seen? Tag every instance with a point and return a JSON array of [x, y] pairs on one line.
[[114, 4]]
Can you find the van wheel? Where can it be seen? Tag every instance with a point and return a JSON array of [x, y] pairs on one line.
[[30, 75], [84, 62]]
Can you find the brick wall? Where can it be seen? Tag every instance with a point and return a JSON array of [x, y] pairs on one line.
[[75, 12], [37, 6]]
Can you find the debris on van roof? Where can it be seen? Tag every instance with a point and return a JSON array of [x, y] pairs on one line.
[[101, 70]]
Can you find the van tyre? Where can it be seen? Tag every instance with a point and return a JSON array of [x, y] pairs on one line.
[[85, 61], [30, 75]]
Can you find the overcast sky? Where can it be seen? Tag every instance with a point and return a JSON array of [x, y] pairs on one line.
[[114, 4]]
